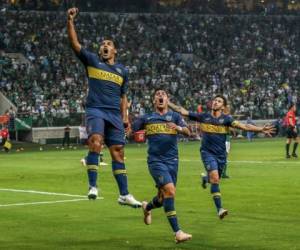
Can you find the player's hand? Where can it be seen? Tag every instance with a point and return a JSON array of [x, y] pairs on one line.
[[268, 130], [172, 125], [72, 13], [127, 127]]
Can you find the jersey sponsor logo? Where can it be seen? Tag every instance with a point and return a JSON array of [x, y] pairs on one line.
[[119, 70], [211, 128], [159, 128], [100, 74], [168, 118]]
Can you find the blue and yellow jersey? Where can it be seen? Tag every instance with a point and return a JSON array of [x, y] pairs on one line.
[[214, 131], [162, 140], [107, 83]]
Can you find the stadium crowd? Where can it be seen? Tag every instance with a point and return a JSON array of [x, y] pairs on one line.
[[252, 60]]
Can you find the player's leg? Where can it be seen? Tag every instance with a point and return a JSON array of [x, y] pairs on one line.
[[287, 147], [296, 138], [165, 177], [115, 140], [169, 192], [289, 136], [216, 193], [212, 167], [155, 169], [64, 141], [156, 202], [68, 141], [118, 167], [95, 131]]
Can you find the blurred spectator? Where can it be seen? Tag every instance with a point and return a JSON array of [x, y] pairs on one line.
[[253, 60]]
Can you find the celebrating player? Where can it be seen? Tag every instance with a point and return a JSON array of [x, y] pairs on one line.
[[215, 126], [291, 132], [106, 110], [162, 128]]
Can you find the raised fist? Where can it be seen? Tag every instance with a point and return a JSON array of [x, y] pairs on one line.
[[72, 13]]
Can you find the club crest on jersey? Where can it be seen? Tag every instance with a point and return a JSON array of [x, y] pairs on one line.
[[119, 70], [168, 118]]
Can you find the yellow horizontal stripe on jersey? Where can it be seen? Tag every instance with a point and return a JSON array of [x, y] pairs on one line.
[[216, 194], [100, 74], [159, 128], [210, 128]]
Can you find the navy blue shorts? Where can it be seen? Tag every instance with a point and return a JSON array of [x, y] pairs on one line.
[[164, 173], [109, 125], [212, 162]]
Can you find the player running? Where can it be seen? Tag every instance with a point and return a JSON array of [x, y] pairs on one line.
[[291, 132], [162, 128], [215, 127], [106, 110]]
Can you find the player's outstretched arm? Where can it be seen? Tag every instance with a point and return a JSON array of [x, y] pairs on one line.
[[72, 13], [266, 129], [178, 109]]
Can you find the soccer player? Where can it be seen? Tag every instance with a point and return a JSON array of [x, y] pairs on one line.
[[291, 132], [4, 136], [162, 128], [215, 126], [106, 110], [66, 139]]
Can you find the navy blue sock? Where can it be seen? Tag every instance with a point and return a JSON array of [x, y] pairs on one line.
[[92, 161], [171, 213], [155, 203], [215, 191], [119, 172]]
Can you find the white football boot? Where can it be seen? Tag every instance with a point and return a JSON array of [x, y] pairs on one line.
[[129, 200], [222, 213], [181, 236], [93, 193]]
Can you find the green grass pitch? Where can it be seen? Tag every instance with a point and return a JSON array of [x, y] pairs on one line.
[[262, 196]]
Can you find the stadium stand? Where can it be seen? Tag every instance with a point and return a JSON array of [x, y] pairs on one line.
[[253, 60]]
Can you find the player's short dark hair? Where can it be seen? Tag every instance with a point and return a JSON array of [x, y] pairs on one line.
[[291, 105], [111, 39], [223, 98], [158, 89]]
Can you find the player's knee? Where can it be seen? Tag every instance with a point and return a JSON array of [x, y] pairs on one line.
[[214, 178], [95, 143], [117, 153], [169, 191]]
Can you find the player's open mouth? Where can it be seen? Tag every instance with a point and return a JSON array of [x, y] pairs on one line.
[[105, 51], [161, 100]]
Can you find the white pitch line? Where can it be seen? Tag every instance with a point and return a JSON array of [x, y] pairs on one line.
[[41, 202], [243, 161], [39, 192]]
